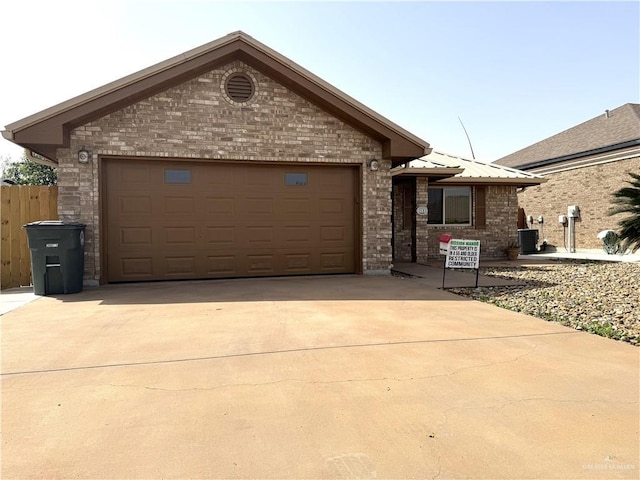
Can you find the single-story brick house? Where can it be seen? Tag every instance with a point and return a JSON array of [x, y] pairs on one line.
[[226, 161], [584, 166], [465, 198]]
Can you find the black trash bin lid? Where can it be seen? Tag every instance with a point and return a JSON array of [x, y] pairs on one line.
[[54, 224]]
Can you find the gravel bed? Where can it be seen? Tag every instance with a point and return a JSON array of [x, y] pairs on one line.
[[598, 297]]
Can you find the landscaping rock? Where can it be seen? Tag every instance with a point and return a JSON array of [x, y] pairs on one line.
[[597, 297]]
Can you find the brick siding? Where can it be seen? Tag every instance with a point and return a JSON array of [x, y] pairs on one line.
[[590, 188], [501, 225], [196, 120]]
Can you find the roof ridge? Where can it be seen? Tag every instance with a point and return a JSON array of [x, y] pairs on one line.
[[237, 45], [635, 108]]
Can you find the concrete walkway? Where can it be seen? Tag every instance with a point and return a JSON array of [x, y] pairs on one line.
[[13, 298], [431, 274], [435, 276], [318, 377]]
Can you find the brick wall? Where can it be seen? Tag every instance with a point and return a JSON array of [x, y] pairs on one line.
[[196, 120], [588, 187], [422, 229], [501, 224]]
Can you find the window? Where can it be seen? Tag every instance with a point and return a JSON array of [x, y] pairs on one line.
[[295, 179], [449, 205], [177, 176]]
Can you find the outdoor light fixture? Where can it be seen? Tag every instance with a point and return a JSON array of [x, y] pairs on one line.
[[374, 165], [84, 156]]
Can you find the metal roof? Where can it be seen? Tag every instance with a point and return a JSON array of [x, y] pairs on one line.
[[466, 171]]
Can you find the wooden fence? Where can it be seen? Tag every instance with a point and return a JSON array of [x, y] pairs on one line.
[[20, 205]]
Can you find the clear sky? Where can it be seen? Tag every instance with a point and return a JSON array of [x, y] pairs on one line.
[[514, 72]]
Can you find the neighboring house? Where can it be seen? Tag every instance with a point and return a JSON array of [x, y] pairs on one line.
[[465, 198], [226, 161], [584, 166]]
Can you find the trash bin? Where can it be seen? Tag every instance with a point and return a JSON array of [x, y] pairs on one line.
[[57, 256], [528, 239]]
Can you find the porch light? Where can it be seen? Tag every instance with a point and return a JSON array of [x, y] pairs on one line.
[[84, 156]]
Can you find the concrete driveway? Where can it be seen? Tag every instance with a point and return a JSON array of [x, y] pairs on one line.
[[322, 377]]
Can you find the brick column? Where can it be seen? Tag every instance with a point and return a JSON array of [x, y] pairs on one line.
[[422, 249]]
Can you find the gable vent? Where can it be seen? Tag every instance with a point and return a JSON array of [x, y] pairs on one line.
[[239, 88]]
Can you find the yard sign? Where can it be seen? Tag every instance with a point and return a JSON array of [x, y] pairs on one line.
[[462, 254]]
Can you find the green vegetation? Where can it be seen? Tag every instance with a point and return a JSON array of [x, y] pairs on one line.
[[27, 172], [627, 200]]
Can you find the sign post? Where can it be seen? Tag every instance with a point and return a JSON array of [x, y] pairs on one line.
[[463, 253]]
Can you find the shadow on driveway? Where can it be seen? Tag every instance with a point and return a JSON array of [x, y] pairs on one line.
[[284, 289]]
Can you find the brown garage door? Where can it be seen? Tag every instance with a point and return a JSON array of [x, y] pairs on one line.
[[188, 220]]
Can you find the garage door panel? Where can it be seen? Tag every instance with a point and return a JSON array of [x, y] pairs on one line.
[[179, 205], [256, 206], [260, 177], [334, 262], [298, 263], [136, 236], [334, 233], [221, 265], [134, 174], [180, 265], [180, 236], [232, 220], [130, 205], [261, 264], [225, 176], [334, 206], [139, 267], [296, 234], [295, 206], [220, 237], [219, 205]]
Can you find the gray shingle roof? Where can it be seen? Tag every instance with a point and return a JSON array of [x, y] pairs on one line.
[[621, 125]]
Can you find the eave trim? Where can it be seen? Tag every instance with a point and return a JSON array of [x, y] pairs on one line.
[[51, 126]]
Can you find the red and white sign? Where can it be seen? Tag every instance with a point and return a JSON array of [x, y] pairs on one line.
[[445, 238]]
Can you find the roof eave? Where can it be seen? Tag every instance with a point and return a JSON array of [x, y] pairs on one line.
[[573, 156], [51, 127], [444, 172], [516, 182]]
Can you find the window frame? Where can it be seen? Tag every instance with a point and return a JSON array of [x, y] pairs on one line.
[[294, 179], [444, 202], [179, 176]]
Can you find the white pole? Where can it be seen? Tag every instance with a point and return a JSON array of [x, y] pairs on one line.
[[572, 235]]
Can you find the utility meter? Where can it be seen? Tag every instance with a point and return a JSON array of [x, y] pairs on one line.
[[562, 219], [573, 211]]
